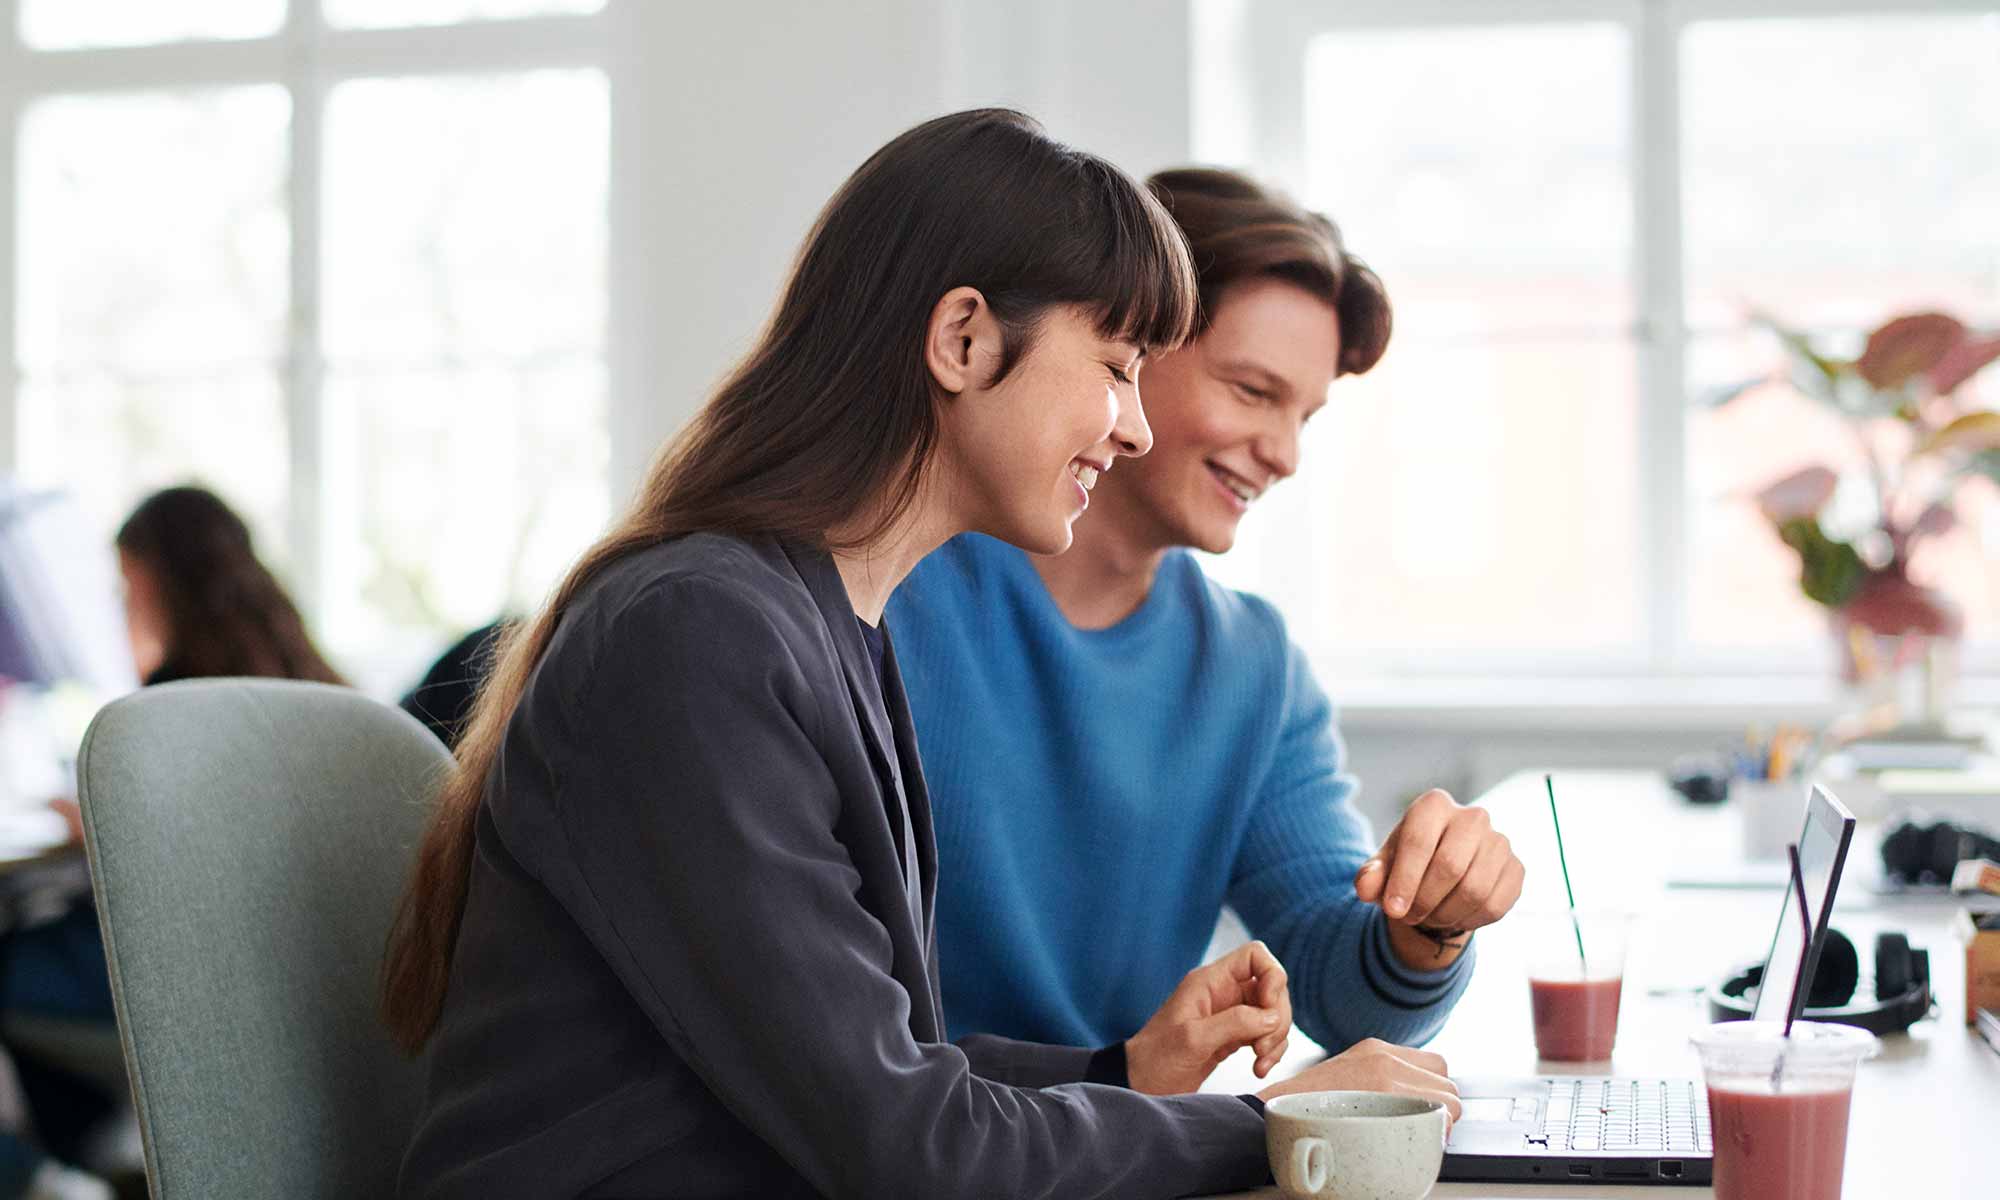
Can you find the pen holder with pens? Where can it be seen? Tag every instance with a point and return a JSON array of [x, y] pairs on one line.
[[1769, 790], [1771, 810]]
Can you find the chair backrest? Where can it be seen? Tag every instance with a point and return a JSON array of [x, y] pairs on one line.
[[248, 840]]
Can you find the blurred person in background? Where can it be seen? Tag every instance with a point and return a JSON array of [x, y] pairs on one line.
[[198, 603], [443, 698], [1117, 747]]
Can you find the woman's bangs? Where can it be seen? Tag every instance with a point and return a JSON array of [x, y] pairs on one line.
[[1145, 290]]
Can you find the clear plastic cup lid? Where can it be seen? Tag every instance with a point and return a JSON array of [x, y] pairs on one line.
[[1810, 1041]]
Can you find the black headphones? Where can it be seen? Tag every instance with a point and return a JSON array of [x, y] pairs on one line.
[[1914, 853], [1902, 987]]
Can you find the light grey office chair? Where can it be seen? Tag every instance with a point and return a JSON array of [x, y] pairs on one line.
[[248, 840]]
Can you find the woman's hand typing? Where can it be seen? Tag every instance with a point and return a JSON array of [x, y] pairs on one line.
[[1376, 1066]]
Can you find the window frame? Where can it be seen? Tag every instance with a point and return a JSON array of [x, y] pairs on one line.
[[1269, 74], [307, 57]]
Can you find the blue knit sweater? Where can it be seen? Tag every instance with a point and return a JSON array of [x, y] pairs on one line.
[[1099, 795]]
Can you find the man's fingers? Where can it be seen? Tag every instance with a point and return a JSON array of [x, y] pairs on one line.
[[1369, 879], [1416, 838], [1463, 907], [1456, 854], [1507, 892]]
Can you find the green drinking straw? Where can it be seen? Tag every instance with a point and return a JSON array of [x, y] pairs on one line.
[[1549, 782]]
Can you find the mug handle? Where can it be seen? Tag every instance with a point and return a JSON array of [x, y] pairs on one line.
[[1309, 1163]]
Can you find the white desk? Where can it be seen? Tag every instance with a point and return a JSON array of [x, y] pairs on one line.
[[1926, 1116]]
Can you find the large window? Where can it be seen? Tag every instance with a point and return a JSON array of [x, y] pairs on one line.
[[1577, 205], [342, 261]]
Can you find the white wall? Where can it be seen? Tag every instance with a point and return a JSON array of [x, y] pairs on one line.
[[734, 123]]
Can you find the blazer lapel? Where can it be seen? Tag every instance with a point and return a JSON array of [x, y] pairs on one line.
[[830, 595], [915, 792], [908, 811]]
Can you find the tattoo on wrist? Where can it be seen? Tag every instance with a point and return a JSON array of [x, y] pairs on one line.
[[1441, 938]]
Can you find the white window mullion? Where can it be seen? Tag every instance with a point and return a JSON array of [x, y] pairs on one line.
[[1686, 11], [167, 67], [10, 122], [304, 367], [472, 48], [1662, 437]]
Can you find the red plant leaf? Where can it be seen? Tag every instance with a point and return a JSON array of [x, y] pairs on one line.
[[1962, 362], [1937, 519], [1801, 494], [1907, 347]]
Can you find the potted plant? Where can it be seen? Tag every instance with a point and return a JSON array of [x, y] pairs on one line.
[[1922, 440]]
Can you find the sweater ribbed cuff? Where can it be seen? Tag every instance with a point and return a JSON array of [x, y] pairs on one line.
[[1401, 986]]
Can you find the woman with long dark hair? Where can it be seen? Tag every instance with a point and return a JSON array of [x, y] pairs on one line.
[[199, 602], [671, 930]]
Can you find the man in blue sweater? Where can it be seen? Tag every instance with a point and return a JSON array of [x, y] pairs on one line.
[[1117, 747]]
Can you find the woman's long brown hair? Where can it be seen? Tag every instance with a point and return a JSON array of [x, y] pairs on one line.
[[833, 410], [226, 613]]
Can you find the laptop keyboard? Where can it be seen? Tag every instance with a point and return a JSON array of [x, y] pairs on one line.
[[1636, 1115]]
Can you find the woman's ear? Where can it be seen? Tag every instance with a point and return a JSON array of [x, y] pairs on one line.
[[960, 339]]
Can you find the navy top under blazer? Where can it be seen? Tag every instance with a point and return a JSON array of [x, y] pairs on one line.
[[693, 962]]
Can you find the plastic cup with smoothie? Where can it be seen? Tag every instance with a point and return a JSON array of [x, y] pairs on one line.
[[1575, 997], [1780, 1132]]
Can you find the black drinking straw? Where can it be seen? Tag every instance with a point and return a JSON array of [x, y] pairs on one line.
[[1549, 782], [1805, 919], [1799, 975]]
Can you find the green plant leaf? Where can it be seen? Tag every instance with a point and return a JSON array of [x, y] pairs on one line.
[[1716, 397], [1987, 463], [1812, 372], [1830, 572]]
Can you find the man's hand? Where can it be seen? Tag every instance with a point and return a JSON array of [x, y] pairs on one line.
[[1238, 1000], [1376, 1066], [1443, 868]]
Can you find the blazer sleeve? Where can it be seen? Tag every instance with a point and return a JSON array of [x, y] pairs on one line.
[[1025, 1064], [697, 845]]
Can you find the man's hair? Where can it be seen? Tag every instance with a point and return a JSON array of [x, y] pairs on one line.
[[1237, 229]]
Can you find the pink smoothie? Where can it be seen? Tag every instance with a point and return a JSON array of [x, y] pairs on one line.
[[1789, 1146], [1575, 1020]]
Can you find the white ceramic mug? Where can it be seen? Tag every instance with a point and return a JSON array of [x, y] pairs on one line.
[[1354, 1145]]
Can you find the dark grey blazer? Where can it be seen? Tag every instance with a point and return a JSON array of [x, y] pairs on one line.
[[698, 956]]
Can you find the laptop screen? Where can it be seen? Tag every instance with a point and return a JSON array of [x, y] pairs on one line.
[[1822, 852]]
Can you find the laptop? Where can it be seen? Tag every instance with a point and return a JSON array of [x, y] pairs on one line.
[[1610, 1129]]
